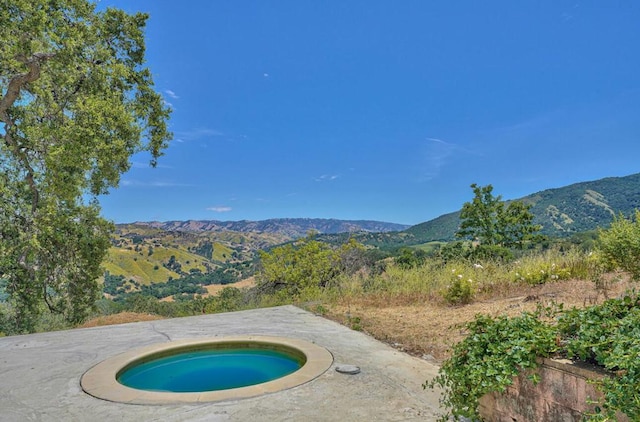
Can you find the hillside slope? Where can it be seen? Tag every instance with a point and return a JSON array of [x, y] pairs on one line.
[[561, 211], [147, 254]]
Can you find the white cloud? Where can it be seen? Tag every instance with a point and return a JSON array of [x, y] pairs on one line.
[[196, 134], [326, 178], [171, 94], [219, 209], [437, 154], [440, 141]]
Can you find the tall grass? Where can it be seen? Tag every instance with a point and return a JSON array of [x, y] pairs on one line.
[[461, 281], [552, 265]]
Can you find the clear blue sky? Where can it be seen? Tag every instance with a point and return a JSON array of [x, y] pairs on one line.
[[382, 110]]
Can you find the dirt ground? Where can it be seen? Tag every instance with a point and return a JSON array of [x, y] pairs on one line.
[[429, 329]]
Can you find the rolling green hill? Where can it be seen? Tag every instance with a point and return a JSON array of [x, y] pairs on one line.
[[146, 269], [561, 212], [585, 206], [147, 254]]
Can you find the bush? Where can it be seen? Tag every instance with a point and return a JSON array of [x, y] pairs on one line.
[[459, 291], [491, 252], [410, 258], [294, 269], [455, 251], [619, 246]]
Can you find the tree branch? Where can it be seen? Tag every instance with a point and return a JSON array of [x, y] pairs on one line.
[[13, 92], [17, 82]]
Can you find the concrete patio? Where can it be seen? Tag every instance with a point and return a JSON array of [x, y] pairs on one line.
[[40, 373]]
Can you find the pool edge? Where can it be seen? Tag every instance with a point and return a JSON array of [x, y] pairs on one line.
[[100, 380]]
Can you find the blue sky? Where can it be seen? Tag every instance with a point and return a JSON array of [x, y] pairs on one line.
[[381, 110]]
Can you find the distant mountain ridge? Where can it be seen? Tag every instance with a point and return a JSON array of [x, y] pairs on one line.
[[290, 227]]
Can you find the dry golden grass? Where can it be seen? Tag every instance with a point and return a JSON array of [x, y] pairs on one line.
[[214, 289], [432, 327], [121, 318]]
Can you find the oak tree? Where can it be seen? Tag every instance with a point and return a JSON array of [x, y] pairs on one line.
[[491, 222], [76, 101], [307, 263]]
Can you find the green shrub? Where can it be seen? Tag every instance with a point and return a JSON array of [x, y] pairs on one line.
[[619, 246], [491, 252], [410, 258], [459, 291]]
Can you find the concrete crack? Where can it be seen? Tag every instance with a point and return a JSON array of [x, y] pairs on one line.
[[165, 335]]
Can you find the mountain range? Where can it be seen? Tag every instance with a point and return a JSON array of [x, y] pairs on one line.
[[289, 227]]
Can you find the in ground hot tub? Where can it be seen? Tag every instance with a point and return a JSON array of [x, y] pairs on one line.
[[205, 370]]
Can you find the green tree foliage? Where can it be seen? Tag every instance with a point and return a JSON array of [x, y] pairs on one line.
[[75, 103], [619, 246], [410, 258], [309, 263], [490, 222]]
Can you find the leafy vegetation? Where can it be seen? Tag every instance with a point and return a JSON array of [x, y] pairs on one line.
[[308, 264], [118, 288], [619, 246], [75, 102], [492, 223]]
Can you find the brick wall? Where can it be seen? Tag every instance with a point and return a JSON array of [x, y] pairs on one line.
[[561, 395]]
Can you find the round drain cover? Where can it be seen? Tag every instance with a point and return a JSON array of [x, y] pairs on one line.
[[348, 369]]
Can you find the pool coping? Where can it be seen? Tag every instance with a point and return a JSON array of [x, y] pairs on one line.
[[100, 380]]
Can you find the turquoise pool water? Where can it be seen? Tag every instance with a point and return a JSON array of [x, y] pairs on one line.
[[209, 370]]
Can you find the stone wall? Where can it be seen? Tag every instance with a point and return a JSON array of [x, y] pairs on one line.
[[561, 395]]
